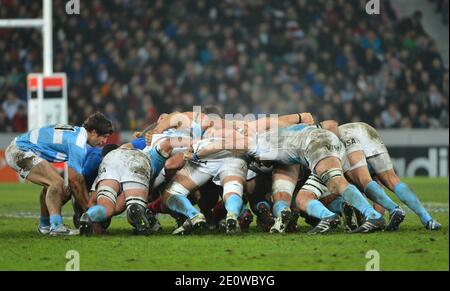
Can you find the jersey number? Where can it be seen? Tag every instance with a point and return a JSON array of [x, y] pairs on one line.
[[64, 127]]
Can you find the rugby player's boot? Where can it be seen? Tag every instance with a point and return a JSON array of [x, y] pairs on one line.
[[350, 219], [292, 225], [395, 218], [282, 222], [264, 218], [85, 225], [137, 216], [326, 225], [43, 229], [245, 219], [232, 224], [155, 226], [433, 225], [63, 230], [371, 225], [195, 224]]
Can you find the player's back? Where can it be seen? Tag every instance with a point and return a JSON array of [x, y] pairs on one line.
[[52, 142], [283, 145]]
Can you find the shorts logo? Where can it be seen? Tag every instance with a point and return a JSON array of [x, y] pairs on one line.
[[331, 148], [102, 170], [350, 142]]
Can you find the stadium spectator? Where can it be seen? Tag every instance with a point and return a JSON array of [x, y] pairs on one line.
[[20, 120], [142, 58]]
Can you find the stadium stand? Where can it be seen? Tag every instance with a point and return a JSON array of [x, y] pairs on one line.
[[136, 59]]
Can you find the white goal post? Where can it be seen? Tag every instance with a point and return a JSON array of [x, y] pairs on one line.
[[47, 91]]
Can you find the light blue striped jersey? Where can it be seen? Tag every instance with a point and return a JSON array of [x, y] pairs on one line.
[[57, 143]]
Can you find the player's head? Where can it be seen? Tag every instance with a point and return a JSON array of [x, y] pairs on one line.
[[212, 110], [99, 128], [162, 117]]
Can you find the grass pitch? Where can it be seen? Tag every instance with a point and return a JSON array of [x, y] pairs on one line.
[[411, 248]]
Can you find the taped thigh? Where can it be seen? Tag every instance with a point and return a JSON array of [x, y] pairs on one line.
[[108, 193], [283, 186], [380, 163], [176, 188], [331, 174], [315, 186], [233, 187]]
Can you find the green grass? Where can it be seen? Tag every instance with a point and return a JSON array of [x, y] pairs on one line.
[[411, 248]]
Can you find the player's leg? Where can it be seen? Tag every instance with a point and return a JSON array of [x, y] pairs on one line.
[[359, 174], [233, 188], [259, 191], [104, 210], [175, 198], [45, 174], [233, 173], [44, 219], [307, 200], [390, 179], [283, 186], [136, 197], [330, 171]]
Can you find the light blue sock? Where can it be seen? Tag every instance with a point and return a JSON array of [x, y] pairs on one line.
[[55, 220], [376, 193], [97, 213], [182, 205], [316, 209], [357, 200], [279, 206], [44, 221], [336, 205], [407, 196], [234, 204]]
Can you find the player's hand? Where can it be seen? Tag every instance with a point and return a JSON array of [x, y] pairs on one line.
[[187, 156], [307, 118], [148, 137], [136, 134]]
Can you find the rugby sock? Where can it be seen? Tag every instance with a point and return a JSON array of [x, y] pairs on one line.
[[336, 205], [376, 193], [316, 209], [56, 220], [234, 204], [182, 205], [97, 213], [357, 200], [155, 205], [44, 221], [279, 206], [407, 196]]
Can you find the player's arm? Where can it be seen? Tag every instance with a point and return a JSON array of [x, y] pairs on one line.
[[78, 187], [267, 123], [76, 180], [139, 143], [331, 125]]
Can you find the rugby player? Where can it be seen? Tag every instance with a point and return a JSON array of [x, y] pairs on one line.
[[31, 154]]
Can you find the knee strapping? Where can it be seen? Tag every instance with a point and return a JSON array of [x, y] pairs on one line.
[[130, 200], [283, 186], [178, 189], [108, 193], [233, 187], [327, 176]]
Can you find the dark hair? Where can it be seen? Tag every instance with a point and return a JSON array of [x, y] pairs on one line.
[[212, 109], [99, 123], [108, 148]]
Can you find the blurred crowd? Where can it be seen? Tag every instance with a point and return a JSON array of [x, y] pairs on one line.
[[135, 59]]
